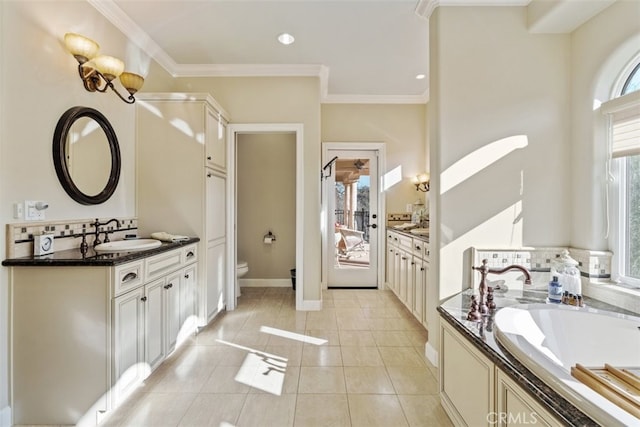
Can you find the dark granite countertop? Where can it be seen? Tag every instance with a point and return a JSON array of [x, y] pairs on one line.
[[409, 234], [480, 334], [75, 258]]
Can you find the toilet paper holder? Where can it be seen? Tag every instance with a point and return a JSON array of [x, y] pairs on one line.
[[269, 237]]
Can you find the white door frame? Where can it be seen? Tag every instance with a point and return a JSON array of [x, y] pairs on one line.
[[232, 131], [327, 235]]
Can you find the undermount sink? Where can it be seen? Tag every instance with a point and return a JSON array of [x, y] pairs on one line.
[[128, 245]]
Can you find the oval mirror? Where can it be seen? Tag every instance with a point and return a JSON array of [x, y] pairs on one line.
[[86, 155]]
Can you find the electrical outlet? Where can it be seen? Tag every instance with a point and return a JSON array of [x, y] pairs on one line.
[[31, 213], [18, 210]]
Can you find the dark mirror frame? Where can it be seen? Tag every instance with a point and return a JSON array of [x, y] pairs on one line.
[[60, 162]]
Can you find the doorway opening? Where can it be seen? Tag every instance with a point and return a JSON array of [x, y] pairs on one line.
[[263, 251]]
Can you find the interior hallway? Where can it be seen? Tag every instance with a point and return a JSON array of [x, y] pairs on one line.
[[358, 362]]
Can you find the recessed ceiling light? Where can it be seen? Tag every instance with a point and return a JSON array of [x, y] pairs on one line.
[[421, 76], [286, 39]]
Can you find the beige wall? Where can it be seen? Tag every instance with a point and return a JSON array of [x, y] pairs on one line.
[[266, 201], [499, 134], [400, 127]]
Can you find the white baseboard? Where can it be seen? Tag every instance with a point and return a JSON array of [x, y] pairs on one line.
[[431, 354], [264, 283], [5, 417], [310, 305]]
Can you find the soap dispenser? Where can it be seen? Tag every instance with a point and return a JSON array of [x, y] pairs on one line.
[[555, 291]]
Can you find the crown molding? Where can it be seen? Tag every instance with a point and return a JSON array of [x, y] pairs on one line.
[[375, 99], [248, 70], [425, 8]]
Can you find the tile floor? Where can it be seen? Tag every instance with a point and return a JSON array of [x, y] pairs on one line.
[[358, 362]]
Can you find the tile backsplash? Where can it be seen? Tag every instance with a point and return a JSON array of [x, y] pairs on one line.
[[66, 233], [592, 264]]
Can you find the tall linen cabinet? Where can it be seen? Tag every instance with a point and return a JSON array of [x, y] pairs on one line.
[[181, 182]]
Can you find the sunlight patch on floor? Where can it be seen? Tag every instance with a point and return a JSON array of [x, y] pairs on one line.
[[292, 335]]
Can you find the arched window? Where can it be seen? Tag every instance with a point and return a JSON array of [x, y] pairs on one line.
[[624, 117], [632, 83]]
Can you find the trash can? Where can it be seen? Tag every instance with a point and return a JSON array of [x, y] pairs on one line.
[[293, 278]]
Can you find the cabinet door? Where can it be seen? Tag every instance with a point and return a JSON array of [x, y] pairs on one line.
[[154, 322], [391, 255], [172, 311], [425, 292], [516, 408], [467, 383], [188, 299], [418, 287], [216, 278], [128, 327], [216, 149], [216, 205], [404, 266]]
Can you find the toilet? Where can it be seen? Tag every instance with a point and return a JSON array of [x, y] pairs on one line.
[[242, 268]]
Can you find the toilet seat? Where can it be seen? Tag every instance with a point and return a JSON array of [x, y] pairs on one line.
[[241, 264]]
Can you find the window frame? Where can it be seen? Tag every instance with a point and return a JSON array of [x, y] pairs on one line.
[[619, 242]]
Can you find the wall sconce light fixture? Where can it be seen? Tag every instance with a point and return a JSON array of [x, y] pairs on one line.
[[98, 71], [421, 182]]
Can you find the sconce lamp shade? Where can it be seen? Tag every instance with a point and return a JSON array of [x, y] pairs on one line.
[[81, 47], [109, 66], [131, 82], [421, 182]]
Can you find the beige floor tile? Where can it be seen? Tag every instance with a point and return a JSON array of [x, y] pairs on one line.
[[326, 379], [412, 380], [214, 410], [361, 356], [314, 410], [400, 356], [359, 323], [424, 411], [321, 356], [391, 339], [188, 378], [346, 303], [379, 410], [292, 354], [222, 380], [327, 322], [332, 337], [285, 384], [367, 380], [356, 338], [267, 410], [158, 409]]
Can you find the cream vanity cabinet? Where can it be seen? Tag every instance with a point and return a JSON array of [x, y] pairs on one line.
[[476, 392], [182, 182], [408, 271], [83, 337]]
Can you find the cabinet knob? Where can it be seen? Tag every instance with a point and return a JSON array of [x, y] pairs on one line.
[[209, 175], [186, 276], [421, 268], [169, 286], [143, 299], [208, 157]]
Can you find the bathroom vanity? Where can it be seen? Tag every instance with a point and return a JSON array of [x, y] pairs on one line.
[[86, 329], [408, 270]]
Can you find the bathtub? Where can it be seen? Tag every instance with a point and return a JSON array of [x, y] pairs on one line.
[[549, 339]]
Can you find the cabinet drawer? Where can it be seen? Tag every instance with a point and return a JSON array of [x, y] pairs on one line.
[[189, 254], [406, 243], [419, 248], [160, 264], [128, 276]]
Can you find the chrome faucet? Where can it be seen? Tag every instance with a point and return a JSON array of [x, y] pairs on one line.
[[484, 269], [97, 224]]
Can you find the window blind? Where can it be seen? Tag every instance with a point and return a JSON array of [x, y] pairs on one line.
[[624, 113]]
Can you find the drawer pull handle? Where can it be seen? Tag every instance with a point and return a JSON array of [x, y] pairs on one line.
[[129, 277], [208, 157], [190, 254], [421, 268], [209, 175], [418, 247], [186, 276], [169, 286], [143, 299]]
